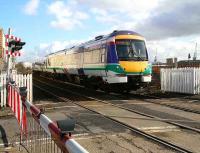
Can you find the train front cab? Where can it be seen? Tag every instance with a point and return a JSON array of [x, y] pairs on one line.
[[133, 69], [133, 58]]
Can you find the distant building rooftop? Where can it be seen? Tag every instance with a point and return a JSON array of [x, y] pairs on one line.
[[189, 63]]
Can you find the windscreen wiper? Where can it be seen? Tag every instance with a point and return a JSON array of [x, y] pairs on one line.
[[135, 53]]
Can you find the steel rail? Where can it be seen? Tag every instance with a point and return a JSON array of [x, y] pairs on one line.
[[169, 105], [177, 107], [147, 96]]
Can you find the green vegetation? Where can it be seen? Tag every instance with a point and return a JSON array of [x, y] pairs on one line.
[[21, 69]]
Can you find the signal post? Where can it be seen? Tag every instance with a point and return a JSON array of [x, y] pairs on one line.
[[13, 46]]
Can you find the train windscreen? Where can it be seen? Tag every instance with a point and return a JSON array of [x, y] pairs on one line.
[[131, 50]]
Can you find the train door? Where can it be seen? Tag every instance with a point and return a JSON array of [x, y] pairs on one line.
[[103, 57], [81, 56], [80, 61]]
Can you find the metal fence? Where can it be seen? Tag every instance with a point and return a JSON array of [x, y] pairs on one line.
[[36, 140], [39, 134], [181, 80]]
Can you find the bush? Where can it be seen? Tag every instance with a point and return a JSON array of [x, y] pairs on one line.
[[21, 69]]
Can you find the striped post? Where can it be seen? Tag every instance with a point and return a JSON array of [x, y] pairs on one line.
[[15, 103]]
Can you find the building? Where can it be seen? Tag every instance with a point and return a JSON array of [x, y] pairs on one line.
[[189, 63]]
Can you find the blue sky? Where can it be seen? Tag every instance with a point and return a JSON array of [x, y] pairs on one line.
[[171, 29]]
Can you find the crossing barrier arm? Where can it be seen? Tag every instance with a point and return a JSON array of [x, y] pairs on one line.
[[62, 139]]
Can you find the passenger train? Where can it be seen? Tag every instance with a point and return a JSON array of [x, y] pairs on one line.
[[117, 61]]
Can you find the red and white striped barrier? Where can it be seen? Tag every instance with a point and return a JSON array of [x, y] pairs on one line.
[[19, 105], [67, 143], [15, 103]]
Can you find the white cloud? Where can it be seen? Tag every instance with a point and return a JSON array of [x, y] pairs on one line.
[[122, 12], [177, 19], [136, 6], [67, 17], [43, 49], [31, 7], [171, 28], [155, 19], [104, 16]]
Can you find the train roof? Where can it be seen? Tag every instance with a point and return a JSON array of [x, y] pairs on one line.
[[123, 32], [100, 37], [114, 33]]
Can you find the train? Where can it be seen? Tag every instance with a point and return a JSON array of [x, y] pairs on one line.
[[114, 62]]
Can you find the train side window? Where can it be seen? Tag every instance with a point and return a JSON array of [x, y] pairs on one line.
[[102, 58], [95, 55], [88, 57]]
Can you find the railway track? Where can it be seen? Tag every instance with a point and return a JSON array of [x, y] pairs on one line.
[[172, 119], [150, 99], [171, 105], [149, 136]]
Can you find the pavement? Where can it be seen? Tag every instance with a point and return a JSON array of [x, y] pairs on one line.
[[5, 112], [129, 118]]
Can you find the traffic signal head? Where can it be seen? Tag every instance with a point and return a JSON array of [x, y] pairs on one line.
[[19, 43], [16, 45], [11, 43], [16, 48]]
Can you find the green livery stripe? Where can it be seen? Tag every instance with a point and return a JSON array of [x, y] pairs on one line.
[[94, 68], [148, 70], [111, 67], [56, 68], [115, 68]]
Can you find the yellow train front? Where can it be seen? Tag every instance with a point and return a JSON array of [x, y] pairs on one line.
[[117, 61], [127, 60]]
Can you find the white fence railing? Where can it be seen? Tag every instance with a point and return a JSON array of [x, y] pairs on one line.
[[181, 80], [3, 89], [25, 81], [21, 81]]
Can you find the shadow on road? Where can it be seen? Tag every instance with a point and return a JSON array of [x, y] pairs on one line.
[[3, 136]]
